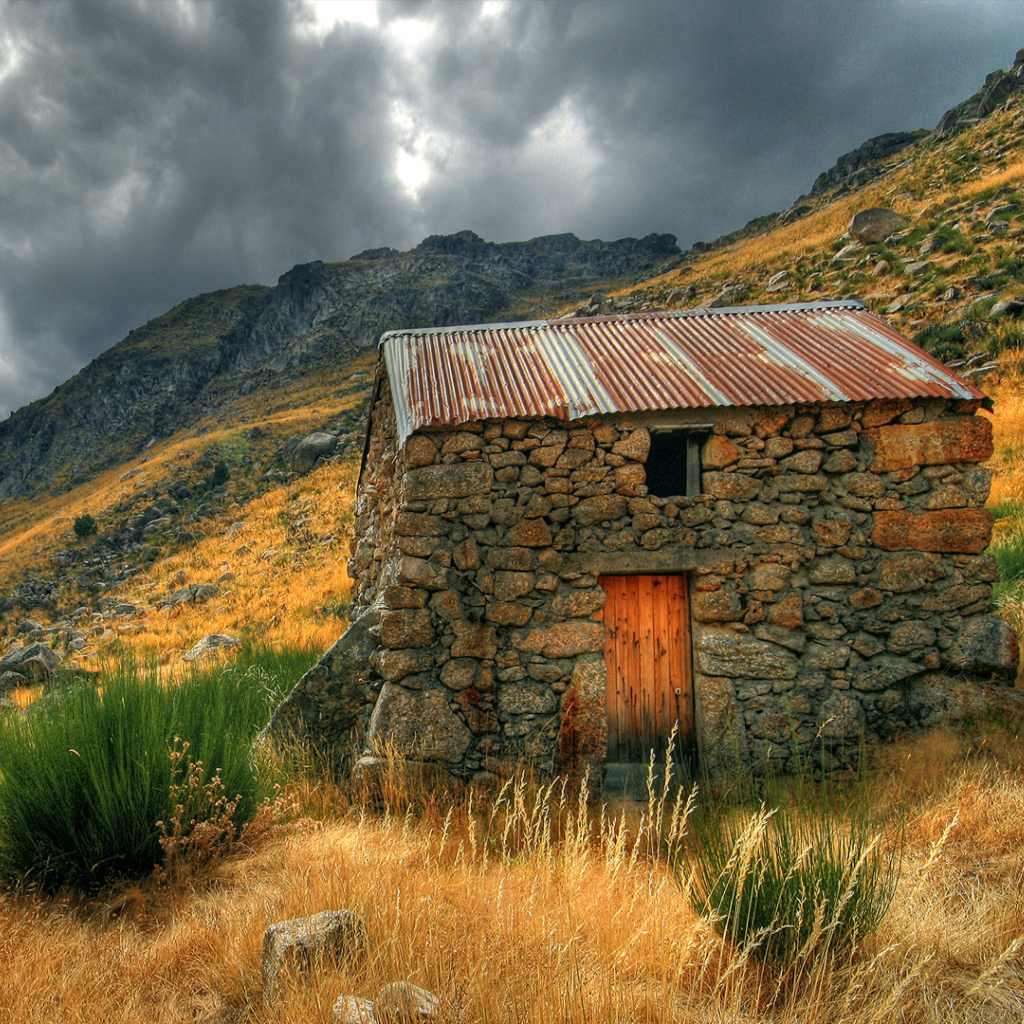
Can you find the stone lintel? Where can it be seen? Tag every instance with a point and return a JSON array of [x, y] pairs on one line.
[[674, 558]]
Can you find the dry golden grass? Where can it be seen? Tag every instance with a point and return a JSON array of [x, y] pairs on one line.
[[1007, 393], [286, 549], [32, 528], [286, 552], [537, 909]]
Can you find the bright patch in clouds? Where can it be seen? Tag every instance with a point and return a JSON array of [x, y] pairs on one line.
[[412, 165], [328, 13]]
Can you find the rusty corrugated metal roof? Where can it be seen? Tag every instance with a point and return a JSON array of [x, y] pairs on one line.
[[688, 359]]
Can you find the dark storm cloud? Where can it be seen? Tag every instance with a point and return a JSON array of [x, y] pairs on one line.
[[153, 150], [702, 114], [149, 152]]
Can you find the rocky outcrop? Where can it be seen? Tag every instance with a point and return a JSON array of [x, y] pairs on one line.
[[860, 165], [325, 706], [998, 88], [205, 352]]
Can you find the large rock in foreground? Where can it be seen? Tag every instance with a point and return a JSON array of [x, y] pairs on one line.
[[325, 704]]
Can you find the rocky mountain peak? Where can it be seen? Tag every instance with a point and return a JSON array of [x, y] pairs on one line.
[[198, 357]]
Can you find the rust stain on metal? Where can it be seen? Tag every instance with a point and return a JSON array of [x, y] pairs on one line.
[[689, 359]]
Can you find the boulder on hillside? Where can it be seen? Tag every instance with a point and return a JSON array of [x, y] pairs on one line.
[[875, 225], [209, 645], [35, 661], [305, 454]]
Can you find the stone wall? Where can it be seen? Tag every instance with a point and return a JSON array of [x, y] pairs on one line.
[[839, 587]]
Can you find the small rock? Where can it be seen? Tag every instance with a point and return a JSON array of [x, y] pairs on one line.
[[210, 644], [401, 1002], [309, 941], [847, 252], [917, 268], [728, 296], [353, 1010]]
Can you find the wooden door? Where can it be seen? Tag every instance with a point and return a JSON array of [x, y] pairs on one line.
[[650, 677]]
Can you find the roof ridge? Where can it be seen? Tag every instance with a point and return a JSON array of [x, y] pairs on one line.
[[654, 314]]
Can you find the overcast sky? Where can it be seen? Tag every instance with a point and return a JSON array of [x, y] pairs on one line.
[[156, 149]]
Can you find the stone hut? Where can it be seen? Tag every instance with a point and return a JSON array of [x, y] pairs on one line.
[[759, 531]]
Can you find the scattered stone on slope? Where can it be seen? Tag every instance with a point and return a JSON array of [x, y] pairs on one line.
[[307, 943], [875, 225], [36, 661], [1009, 308], [210, 645], [11, 680], [729, 295]]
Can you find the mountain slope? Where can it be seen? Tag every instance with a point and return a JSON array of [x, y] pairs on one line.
[[952, 278], [200, 355]]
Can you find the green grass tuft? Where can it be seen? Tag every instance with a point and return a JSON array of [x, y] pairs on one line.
[[86, 774], [788, 870]]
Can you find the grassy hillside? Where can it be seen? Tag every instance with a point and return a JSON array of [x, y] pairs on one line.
[[964, 200]]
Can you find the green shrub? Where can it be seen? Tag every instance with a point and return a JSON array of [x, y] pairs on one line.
[[85, 526], [808, 877], [86, 776]]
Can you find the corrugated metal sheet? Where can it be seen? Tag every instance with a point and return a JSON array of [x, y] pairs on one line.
[[690, 359]]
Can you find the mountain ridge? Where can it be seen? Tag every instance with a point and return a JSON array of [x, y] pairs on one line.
[[184, 364]]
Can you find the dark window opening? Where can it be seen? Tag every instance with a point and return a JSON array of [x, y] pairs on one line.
[[673, 465]]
